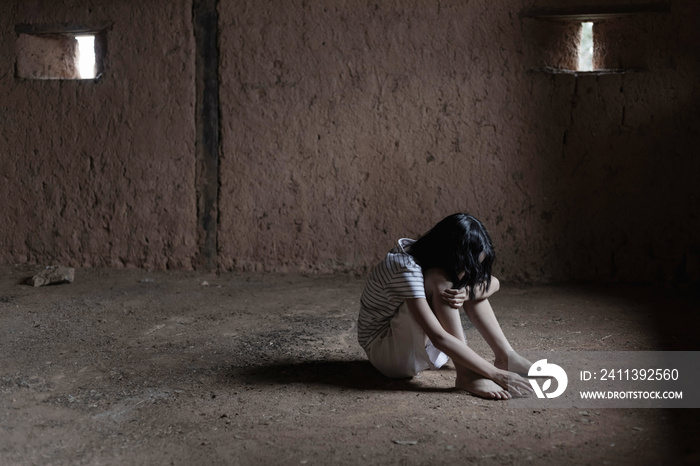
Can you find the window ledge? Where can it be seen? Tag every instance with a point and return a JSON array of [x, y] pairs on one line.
[[594, 13], [549, 70]]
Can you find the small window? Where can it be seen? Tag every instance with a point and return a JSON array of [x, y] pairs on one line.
[[87, 68], [58, 55], [585, 47], [599, 40]]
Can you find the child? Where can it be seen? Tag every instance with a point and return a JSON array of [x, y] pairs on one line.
[[409, 312]]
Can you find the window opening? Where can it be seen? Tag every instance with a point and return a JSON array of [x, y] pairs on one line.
[[86, 56], [585, 47], [56, 54]]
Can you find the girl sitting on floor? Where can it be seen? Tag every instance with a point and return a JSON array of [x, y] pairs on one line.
[[410, 310]]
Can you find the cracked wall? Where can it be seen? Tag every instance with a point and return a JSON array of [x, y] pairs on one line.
[[618, 153]]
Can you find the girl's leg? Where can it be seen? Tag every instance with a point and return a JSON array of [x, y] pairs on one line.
[[481, 314], [435, 282], [401, 351]]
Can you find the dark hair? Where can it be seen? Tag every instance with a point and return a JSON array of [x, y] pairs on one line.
[[454, 245]]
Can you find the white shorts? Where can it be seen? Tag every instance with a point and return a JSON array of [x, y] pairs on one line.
[[404, 350]]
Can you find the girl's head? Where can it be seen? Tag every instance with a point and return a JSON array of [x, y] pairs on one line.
[[461, 246]]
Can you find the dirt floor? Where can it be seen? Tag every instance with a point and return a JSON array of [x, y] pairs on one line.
[[137, 367]]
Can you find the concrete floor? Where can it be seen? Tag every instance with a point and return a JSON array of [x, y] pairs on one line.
[[132, 367]]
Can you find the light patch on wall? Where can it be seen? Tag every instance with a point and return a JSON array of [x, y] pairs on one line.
[[585, 47], [58, 55]]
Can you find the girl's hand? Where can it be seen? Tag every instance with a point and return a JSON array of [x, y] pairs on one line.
[[455, 298], [517, 386]]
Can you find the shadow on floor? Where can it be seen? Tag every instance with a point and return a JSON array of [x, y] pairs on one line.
[[354, 375]]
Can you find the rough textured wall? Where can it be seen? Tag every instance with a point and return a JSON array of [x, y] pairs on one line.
[[551, 44], [617, 154], [47, 56], [349, 124], [346, 125], [101, 173]]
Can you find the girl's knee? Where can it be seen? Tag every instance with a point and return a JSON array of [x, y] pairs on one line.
[[436, 281], [495, 285], [481, 292]]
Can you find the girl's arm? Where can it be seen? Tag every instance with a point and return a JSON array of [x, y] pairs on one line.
[[456, 297], [458, 350]]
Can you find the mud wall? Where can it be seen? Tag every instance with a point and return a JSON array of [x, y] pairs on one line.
[[346, 125], [618, 157], [349, 124], [101, 173]]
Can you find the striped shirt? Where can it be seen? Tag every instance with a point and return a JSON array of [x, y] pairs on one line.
[[390, 283]]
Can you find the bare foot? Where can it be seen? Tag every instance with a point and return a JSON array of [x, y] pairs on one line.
[[481, 386], [513, 363]]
